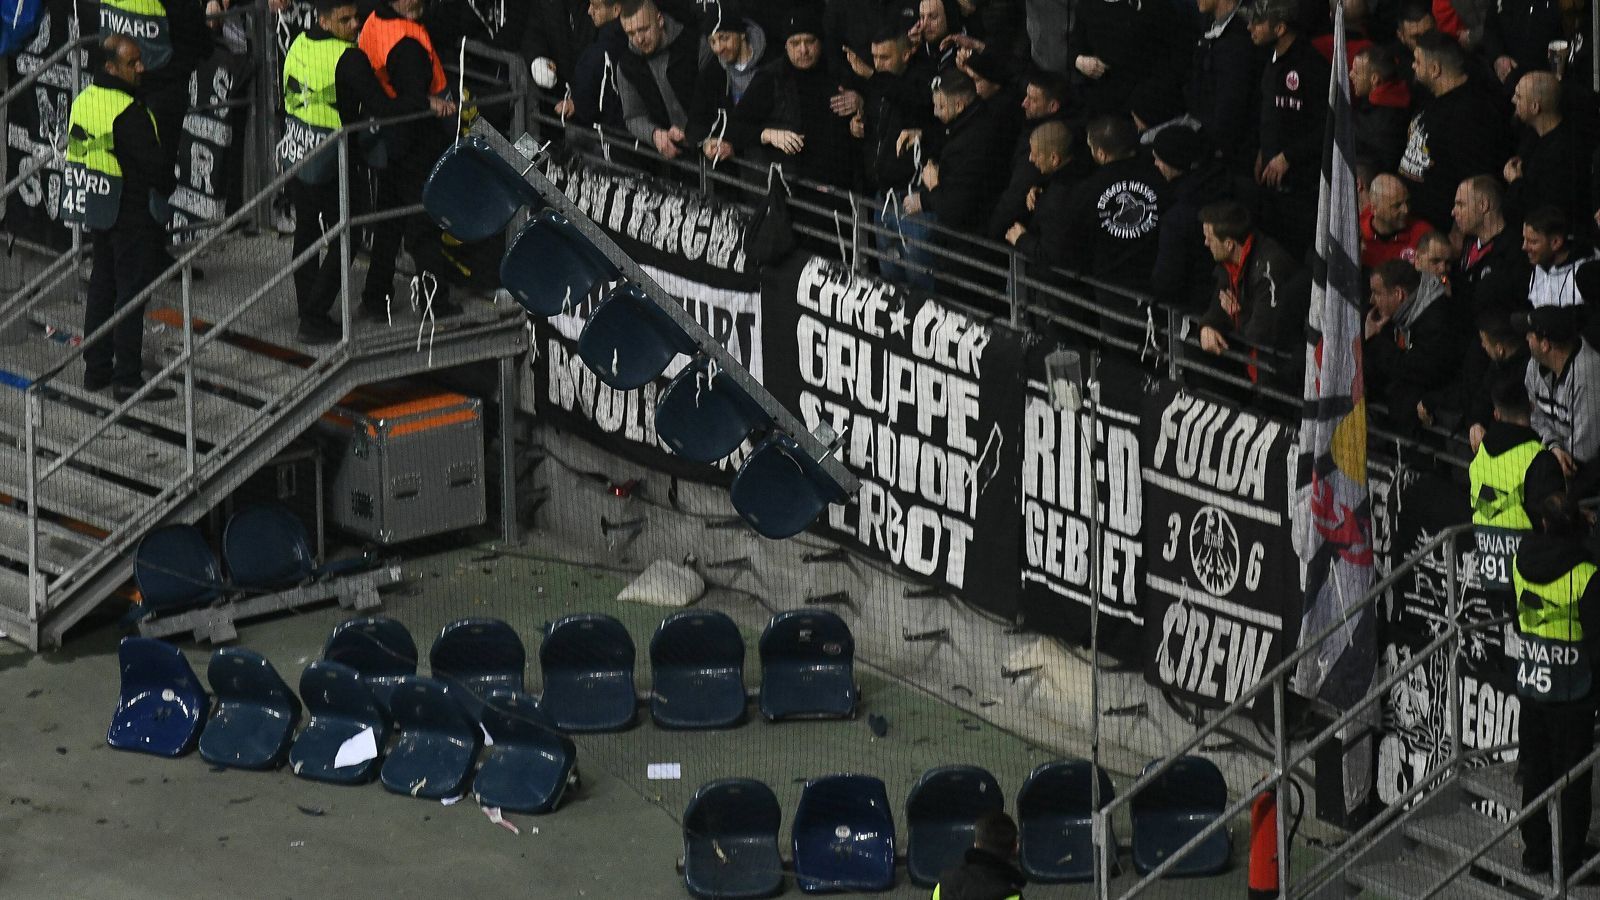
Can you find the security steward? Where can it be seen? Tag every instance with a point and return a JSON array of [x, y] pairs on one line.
[[116, 173], [403, 58], [988, 871], [1558, 621], [1496, 476], [327, 81]]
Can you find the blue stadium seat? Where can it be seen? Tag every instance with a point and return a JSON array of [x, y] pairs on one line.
[[629, 341], [697, 669], [941, 811], [379, 649], [476, 657], [844, 835], [730, 841], [437, 744], [162, 705], [267, 548], [587, 663], [551, 266], [175, 569], [339, 706], [1055, 819], [705, 417], [256, 712], [780, 490], [473, 193], [807, 666], [528, 766], [1174, 808]]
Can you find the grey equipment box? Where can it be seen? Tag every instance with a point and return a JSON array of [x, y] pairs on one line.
[[412, 468]]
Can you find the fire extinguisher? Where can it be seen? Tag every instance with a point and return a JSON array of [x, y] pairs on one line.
[[1264, 842]]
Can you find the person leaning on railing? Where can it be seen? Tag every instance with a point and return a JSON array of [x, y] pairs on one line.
[[1558, 623]]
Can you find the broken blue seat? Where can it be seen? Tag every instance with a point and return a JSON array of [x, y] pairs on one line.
[[807, 666], [378, 648], [551, 267], [1055, 821], [587, 664], [704, 415], [697, 671], [437, 743], [1173, 809], [529, 765], [162, 705], [941, 811], [256, 712], [844, 835], [629, 341], [339, 706], [266, 548], [472, 193], [730, 841], [780, 490], [175, 569], [476, 657]]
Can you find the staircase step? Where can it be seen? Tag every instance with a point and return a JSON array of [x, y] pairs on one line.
[[59, 548], [1446, 822], [133, 454], [1497, 782], [217, 419], [1412, 875], [72, 494], [13, 600], [220, 363]]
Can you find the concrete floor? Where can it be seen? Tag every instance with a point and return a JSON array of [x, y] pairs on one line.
[[78, 819]]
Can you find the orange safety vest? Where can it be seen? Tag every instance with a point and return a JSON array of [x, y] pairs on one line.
[[379, 36]]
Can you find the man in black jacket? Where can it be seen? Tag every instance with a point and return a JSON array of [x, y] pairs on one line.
[[1261, 298], [987, 872], [1464, 405], [658, 76], [128, 254], [1117, 45], [1114, 212], [739, 49], [1223, 85], [1044, 237], [1412, 346], [959, 186], [1044, 99], [1550, 167], [790, 108], [1493, 271], [594, 99], [896, 117], [1294, 109], [1457, 134], [1182, 276], [1380, 107]]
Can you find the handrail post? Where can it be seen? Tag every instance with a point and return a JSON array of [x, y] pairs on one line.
[[1101, 833], [1452, 607], [80, 288], [346, 324], [1091, 395], [1280, 761], [188, 371], [1015, 291], [1557, 864], [32, 417], [856, 230], [1175, 323]]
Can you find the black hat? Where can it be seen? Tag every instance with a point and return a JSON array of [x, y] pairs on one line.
[[1555, 323], [725, 15], [1277, 10], [1179, 146], [803, 20], [1543, 478], [990, 66]]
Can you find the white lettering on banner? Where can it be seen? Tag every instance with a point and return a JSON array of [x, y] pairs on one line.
[[1216, 447], [1056, 499], [694, 228], [1217, 657]]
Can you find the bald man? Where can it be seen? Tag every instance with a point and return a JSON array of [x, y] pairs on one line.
[[1550, 167], [1388, 230], [1043, 234], [1493, 271]]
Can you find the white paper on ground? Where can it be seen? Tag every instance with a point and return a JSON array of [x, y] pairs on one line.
[[664, 771], [357, 750]]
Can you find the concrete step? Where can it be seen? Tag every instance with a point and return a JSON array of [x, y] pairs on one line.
[[71, 493], [1497, 782], [133, 454], [217, 419], [1447, 822], [59, 548], [1410, 876]]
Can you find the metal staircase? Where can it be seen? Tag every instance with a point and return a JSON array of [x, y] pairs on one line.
[[84, 477]]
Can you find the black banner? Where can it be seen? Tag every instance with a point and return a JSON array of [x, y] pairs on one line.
[[36, 126], [694, 248], [1057, 503], [212, 144], [1222, 581], [928, 399], [1416, 715]]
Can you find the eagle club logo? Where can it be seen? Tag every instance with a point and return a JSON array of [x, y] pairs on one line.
[[1127, 210], [1214, 550], [1292, 80]]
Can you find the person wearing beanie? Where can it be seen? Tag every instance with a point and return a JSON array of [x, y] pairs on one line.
[[738, 50], [1557, 607], [1182, 275], [1156, 106], [789, 107]]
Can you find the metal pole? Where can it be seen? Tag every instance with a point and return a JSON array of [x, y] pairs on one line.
[[1452, 607], [1101, 829], [1280, 760], [1014, 272], [855, 234], [188, 372], [508, 465], [80, 288], [1594, 35], [1557, 864], [30, 447], [1091, 393], [1174, 342], [345, 323]]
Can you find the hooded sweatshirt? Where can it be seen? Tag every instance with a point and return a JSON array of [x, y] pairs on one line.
[[1418, 351], [657, 90]]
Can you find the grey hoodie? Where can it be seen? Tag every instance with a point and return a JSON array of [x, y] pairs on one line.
[[633, 108]]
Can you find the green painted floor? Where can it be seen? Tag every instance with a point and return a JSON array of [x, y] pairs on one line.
[[78, 819]]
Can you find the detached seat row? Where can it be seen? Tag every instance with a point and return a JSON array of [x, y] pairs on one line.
[[525, 767], [843, 836]]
